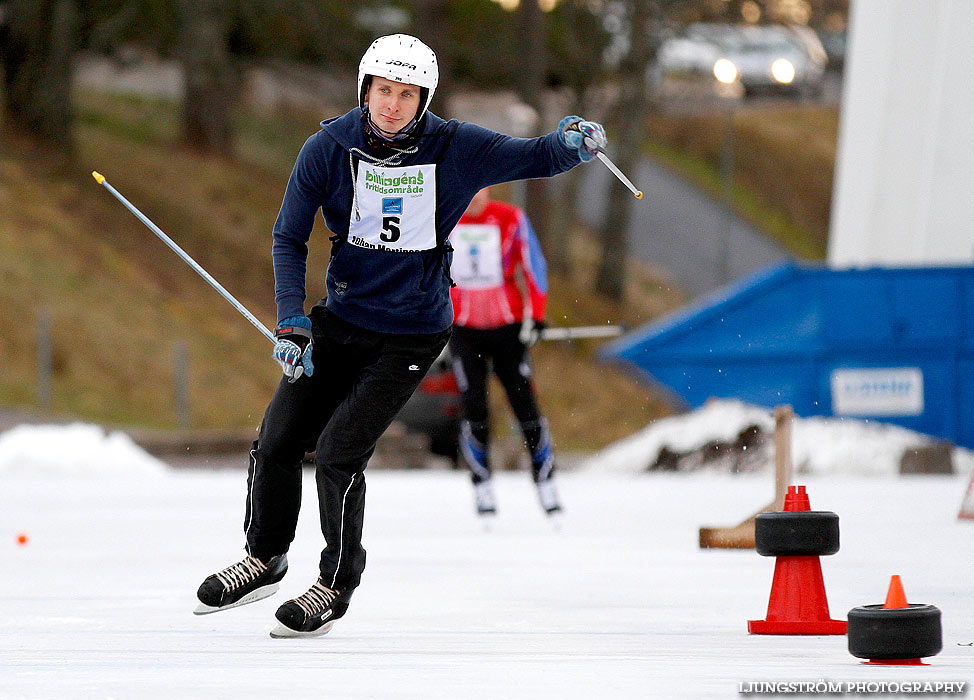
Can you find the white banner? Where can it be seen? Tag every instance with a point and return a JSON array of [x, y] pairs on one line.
[[887, 391]]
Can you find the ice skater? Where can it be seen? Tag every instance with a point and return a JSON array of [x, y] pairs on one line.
[[495, 321], [392, 180]]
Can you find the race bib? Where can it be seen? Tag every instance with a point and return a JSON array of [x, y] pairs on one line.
[[397, 208], [477, 256]]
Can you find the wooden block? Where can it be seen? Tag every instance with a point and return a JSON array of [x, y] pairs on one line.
[[737, 537]]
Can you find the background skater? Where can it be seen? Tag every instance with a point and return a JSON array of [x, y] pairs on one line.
[[493, 328]]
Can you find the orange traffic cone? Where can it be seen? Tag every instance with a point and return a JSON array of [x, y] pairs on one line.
[[920, 631], [895, 597], [798, 603]]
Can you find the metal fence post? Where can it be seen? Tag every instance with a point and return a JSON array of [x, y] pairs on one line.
[[45, 355], [180, 361]]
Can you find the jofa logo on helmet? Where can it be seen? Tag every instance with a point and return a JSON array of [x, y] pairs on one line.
[[400, 63]]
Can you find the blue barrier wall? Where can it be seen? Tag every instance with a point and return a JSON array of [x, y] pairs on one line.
[[894, 345]]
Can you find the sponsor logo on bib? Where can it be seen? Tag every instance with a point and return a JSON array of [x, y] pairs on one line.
[[401, 184]]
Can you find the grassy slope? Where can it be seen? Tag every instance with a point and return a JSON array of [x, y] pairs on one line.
[[784, 158], [119, 298]]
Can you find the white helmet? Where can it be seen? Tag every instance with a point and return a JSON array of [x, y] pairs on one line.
[[402, 58]]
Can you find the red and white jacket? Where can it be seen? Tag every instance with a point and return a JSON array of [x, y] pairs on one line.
[[488, 251]]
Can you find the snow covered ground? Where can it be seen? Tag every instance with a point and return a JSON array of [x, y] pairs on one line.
[[618, 603]]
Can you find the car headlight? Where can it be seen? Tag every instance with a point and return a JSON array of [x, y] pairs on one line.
[[725, 71], [783, 71]]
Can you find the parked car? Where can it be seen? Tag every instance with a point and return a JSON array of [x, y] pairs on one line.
[[775, 58], [769, 58], [434, 409]]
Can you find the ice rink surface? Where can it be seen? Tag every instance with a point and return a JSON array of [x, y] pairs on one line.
[[618, 603]]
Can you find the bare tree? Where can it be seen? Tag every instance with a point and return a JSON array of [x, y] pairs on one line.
[[579, 40], [532, 62], [38, 39], [432, 22], [212, 78], [626, 121]]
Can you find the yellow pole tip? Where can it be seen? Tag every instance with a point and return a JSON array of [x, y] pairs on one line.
[[639, 195], [99, 178]]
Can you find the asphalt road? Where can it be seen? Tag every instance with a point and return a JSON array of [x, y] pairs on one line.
[[693, 238], [697, 241]]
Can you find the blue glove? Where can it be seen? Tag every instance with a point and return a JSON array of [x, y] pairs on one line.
[[293, 347], [587, 137]]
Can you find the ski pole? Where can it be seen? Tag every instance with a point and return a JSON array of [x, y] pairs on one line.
[[100, 179], [638, 194], [573, 332], [600, 154]]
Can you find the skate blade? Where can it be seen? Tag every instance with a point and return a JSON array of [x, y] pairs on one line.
[[282, 632], [252, 597], [487, 519], [555, 519]]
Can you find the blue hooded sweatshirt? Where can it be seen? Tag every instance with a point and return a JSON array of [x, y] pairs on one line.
[[371, 285]]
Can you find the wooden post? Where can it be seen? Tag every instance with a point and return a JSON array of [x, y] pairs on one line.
[[784, 418], [741, 536]]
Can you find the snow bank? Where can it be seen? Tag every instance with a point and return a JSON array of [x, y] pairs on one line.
[[819, 445], [76, 449], [718, 420], [847, 446]]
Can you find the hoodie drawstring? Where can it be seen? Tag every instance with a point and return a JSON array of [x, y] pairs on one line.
[[392, 161]]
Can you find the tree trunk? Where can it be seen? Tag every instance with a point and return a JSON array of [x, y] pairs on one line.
[[628, 121], [611, 278], [37, 44], [563, 219], [211, 79], [432, 23], [531, 84], [565, 214]]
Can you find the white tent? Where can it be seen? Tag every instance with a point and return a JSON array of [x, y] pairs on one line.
[[904, 178]]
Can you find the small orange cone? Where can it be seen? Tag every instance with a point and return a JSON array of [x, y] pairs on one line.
[[895, 600], [896, 597], [895, 633]]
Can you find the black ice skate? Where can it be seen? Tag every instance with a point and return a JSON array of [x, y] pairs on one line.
[[246, 581], [311, 614]]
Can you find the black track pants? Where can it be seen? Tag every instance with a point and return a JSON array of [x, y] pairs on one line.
[[472, 348], [475, 353], [361, 380]]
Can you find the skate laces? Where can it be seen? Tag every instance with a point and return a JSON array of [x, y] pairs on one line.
[[316, 599], [241, 573]]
